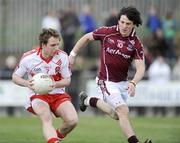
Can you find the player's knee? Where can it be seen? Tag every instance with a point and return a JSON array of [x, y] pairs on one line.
[[72, 122], [46, 117], [122, 111]]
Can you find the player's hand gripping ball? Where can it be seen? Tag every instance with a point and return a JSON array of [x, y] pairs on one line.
[[42, 83]]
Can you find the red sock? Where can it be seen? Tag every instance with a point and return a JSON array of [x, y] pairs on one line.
[[52, 140], [59, 134]]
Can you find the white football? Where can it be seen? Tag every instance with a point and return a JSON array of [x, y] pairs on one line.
[[42, 83]]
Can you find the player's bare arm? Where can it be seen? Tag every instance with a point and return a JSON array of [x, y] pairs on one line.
[[62, 83], [22, 82], [140, 69], [80, 44]]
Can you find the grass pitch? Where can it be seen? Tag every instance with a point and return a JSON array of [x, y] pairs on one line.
[[98, 129]]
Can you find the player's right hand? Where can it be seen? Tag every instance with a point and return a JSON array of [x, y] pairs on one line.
[[30, 84], [131, 89]]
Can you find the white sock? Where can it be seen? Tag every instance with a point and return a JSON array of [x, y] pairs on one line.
[[86, 101]]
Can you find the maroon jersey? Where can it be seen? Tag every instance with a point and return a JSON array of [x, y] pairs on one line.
[[117, 53]]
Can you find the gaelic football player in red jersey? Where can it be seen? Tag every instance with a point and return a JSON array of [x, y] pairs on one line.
[[51, 60], [119, 47]]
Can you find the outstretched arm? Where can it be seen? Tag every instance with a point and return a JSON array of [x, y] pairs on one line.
[[81, 43]]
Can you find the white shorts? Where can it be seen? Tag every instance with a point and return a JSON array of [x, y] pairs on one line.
[[114, 93]]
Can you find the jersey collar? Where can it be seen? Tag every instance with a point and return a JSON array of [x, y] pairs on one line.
[[47, 60]]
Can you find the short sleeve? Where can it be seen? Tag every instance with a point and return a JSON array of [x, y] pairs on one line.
[[100, 33], [21, 69], [65, 69], [139, 53]]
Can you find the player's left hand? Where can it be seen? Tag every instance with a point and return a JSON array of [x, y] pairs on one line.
[[53, 85], [131, 89]]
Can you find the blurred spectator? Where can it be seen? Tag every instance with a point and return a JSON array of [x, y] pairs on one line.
[[153, 21], [8, 69], [148, 61], [176, 70], [148, 58], [51, 21], [159, 71], [87, 20], [177, 43], [70, 24], [156, 43], [112, 19], [6, 74], [88, 24], [169, 29], [94, 69]]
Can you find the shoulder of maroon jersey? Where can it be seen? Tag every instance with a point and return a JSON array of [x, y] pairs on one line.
[[112, 29], [106, 29], [137, 40], [26, 54], [109, 28], [135, 37]]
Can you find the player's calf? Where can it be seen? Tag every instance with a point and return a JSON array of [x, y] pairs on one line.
[[103, 106], [96, 103]]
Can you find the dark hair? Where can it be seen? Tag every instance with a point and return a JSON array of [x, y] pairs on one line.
[[132, 14], [47, 33]]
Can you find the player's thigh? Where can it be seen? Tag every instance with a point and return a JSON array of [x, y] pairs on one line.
[[114, 95], [40, 107], [66, 111]]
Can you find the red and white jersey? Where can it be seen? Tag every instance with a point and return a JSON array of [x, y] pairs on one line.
[[57, 67], [117, 53]]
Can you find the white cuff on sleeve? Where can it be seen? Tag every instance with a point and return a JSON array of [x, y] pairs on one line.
[[72, 53]]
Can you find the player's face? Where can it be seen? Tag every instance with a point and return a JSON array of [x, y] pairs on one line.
[[125, 26], [51, 47]]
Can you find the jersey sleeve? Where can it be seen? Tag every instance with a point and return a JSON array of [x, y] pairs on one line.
[[65, 69], [21, 69], [100, 33], [139, 53]]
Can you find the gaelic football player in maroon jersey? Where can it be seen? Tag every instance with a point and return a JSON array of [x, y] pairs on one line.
[[119, 47]]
